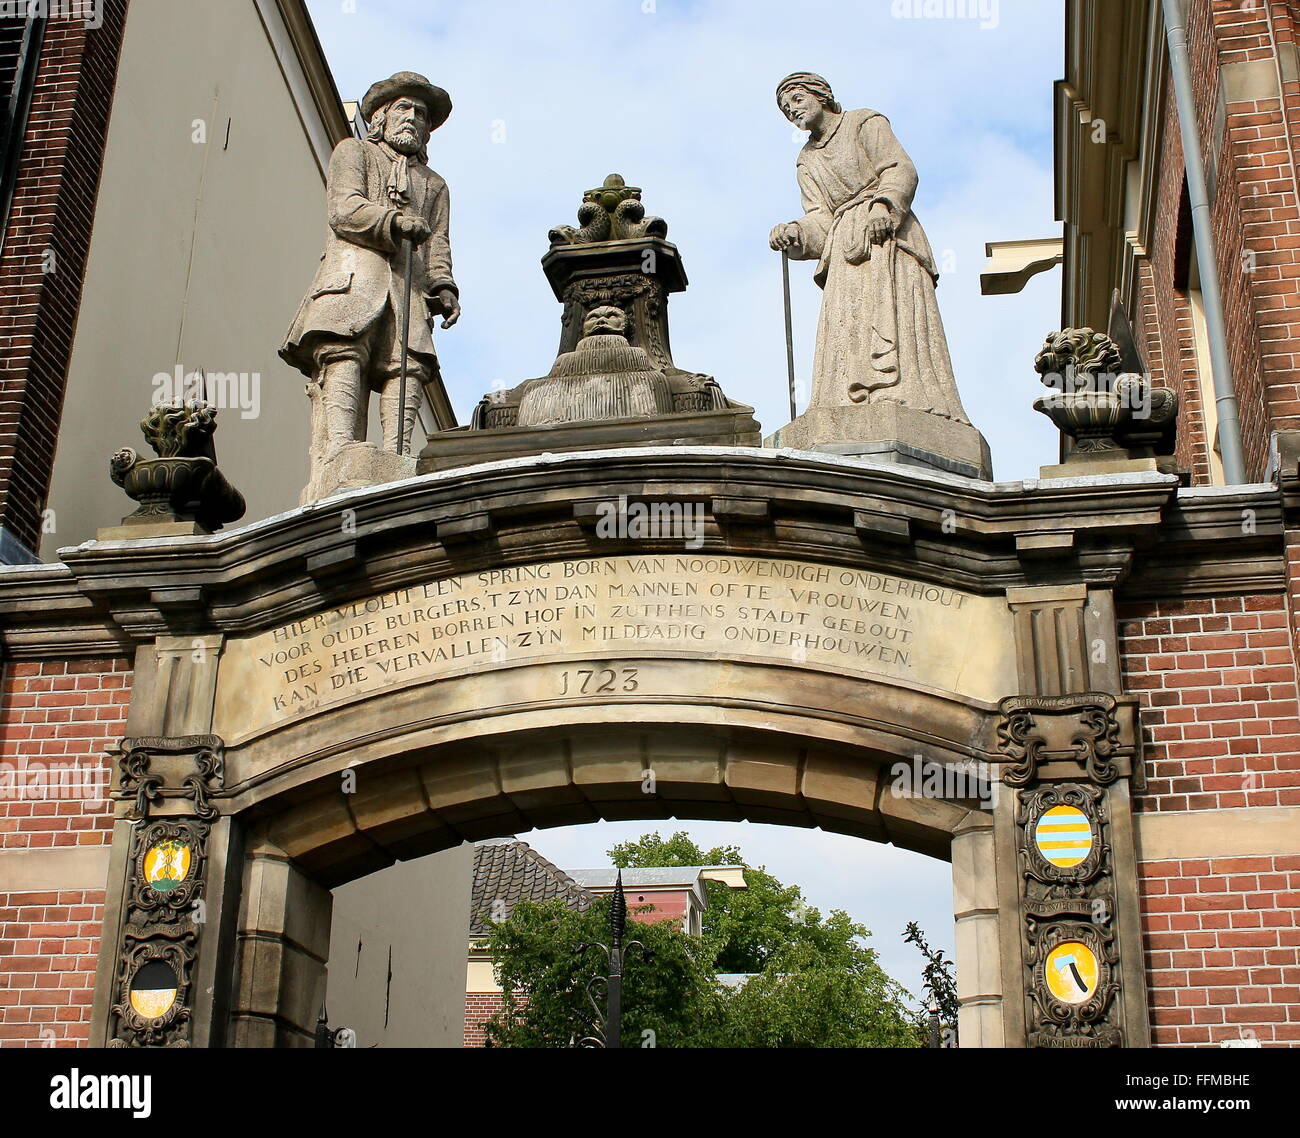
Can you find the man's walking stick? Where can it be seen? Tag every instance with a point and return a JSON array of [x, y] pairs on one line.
[[406, 335], [789, 333]]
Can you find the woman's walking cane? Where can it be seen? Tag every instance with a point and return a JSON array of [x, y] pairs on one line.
[[789, 334], [406, 335]]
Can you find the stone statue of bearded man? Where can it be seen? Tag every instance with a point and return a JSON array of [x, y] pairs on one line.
[[386, 209]]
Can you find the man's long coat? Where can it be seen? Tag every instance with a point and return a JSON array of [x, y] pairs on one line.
[[361, 267]]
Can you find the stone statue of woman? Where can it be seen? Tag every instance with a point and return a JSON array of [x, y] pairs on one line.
[[880, 339]]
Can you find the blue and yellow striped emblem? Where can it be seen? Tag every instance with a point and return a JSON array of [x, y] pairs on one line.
[[1064, 836]]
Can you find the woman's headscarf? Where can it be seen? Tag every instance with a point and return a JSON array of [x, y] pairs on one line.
[[810, 82]]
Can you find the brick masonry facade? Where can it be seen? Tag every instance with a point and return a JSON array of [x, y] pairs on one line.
[[57, 722], [43, 262], [1217, 676], [479, 1008], [1217, 683], [1257, 237]]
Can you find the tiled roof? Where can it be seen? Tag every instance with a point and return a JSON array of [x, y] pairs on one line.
[[603, 877], [510, 872]]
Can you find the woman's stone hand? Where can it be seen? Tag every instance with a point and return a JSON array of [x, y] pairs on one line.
[[880, 224], [784, 236]]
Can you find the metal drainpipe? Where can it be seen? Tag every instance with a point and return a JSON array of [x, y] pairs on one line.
[[1225, 394]]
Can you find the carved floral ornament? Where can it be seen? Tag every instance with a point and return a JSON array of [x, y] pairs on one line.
[[153, 982], [164, 901], [1071, 955], [167, 868], [611, 212], [1063, 830], [1108, 412]]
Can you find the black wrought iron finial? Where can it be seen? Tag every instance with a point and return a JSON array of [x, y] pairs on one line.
[[618, 913], [606, 1031]]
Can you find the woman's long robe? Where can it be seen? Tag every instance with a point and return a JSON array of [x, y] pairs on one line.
[[880, 336]]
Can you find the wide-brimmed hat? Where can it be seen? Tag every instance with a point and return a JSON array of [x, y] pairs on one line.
[[413, 86]]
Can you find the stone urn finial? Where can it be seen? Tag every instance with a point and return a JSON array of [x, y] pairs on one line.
[[183, 483], [1110, 414]]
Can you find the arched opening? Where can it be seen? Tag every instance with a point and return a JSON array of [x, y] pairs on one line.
[[365, 810]]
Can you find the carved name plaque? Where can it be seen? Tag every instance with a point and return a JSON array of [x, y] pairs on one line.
[[790, 613]]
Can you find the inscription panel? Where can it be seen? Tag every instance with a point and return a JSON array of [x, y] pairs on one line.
[[597, 610]]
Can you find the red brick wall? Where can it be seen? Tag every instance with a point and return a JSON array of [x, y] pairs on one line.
[[1164, 315], [1221, 728], [67, 714], [1220, 717], [479, 1008], [59, 713], [1222, 950], [1256, 226], [53, 209], [1255, 221], [48, 946]]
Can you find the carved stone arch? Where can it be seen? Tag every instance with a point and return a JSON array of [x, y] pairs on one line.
[[844, 620], [415, 798]]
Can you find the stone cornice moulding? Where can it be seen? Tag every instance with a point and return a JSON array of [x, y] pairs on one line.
[[978, 536]]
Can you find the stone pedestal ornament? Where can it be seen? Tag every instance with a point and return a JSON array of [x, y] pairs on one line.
[[386, 268], [614, 382], [181, 490], [882, 383], [1117, 421]]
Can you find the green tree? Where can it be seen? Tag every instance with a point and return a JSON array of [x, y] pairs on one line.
[[938, 976], [543, 981], [815, 982], [746, 928], [802, 1000]]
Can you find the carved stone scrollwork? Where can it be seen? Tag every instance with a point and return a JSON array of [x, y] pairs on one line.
[[1074, 1011], [155, 897], [611, 212], [1079, 728], [1059, 856], [173, 949], [152, 1006], [1071, 955], [189, 766]]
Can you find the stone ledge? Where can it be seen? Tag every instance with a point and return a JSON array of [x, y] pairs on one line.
[[1251, 831], [82, 868]]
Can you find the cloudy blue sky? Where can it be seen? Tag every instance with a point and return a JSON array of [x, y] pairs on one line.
[[677, 96]]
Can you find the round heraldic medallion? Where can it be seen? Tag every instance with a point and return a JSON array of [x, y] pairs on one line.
[[1072, 972], [153, 989], [167, 865], [1063, 836]]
